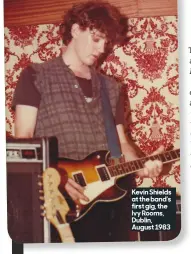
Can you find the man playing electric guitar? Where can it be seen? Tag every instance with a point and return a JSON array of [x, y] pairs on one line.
[[62, 98]]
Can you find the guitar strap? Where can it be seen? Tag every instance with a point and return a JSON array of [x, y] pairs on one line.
[[110, 127]]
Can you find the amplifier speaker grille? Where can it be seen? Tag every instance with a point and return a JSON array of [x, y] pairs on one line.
[[25, 222]]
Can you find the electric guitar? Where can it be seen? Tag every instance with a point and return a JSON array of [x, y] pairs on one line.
[[55, 205], [96, 174]]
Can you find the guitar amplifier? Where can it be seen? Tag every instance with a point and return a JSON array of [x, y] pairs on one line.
[[26, 161]]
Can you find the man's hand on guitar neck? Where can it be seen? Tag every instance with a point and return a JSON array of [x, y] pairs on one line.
[[75, 191], [151, 169]]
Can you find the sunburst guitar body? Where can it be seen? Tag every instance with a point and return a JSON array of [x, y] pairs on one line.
[[92, 174]]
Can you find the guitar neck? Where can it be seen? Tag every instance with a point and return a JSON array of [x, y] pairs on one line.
[[65, 233], [55, 204], [136, 165]]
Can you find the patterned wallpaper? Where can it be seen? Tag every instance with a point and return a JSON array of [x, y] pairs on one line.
[[147, 66]]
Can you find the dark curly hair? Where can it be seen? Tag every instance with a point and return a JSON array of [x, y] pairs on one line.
[[99, 15]]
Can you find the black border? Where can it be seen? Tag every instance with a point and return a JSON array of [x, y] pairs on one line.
[[17, 248]]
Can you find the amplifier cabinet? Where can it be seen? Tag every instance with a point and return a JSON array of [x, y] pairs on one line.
[[26, 161]]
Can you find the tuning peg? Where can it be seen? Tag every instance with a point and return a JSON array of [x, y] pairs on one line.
[[43, 214], [41, 198], [42, 207], [41, 191], [39, 176], [40, 183]]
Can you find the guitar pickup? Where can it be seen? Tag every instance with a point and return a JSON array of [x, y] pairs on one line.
[[102, 171], [79, 178]]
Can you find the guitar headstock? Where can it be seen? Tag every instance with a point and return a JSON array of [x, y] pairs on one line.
[[55, 205]]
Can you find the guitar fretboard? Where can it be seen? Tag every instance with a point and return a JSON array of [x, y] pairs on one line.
[[133, 166]]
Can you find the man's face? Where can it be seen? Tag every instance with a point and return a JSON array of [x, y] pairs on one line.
[[89, 45]]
